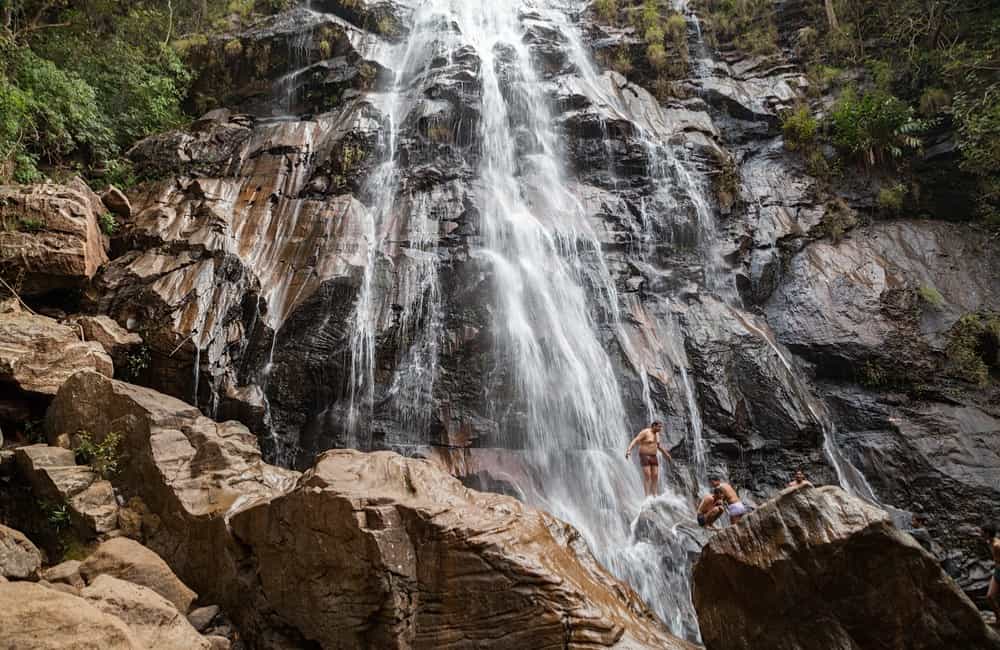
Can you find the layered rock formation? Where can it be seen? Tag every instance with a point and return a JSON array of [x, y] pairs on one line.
[[388, 548], [423, 562], [50, 238], [816, 568]]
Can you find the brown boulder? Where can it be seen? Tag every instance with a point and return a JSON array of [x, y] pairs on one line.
[[54, 476], [33, 617], [67, 573], [38, 354], [49, 235], [19, 558], [116, 201], [396, 554], [115, 340], [129, 560], [187, 470], [154, 620], [817, 569]]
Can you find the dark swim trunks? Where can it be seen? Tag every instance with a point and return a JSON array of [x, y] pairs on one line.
[[648, 460], [701, 519]]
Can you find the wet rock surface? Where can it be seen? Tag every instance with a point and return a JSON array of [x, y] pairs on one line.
[[816, 568], [403, 530]]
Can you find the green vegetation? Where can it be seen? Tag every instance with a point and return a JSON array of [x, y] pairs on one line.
[[931, 296], [747, 25], [890, 199], [136, 363], [973, 344], [30, 224], [56, 514], [83, 80], [103, 456], [875, 127], [664, 53], [108, 223], [800, 129], [837, 220]]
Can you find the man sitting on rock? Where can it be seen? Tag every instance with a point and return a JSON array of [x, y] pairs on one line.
[[711, 508], [993, 595], [798, 480], [649, 443], [734, 507]]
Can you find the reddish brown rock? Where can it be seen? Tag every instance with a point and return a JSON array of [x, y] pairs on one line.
[[421, 561], [19, 558], [38, 354], [129, 560], [816, 569], [49, 235]]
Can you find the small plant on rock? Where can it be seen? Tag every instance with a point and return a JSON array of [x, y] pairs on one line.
[[891, 198], [136, 363], [30, 224], [800, 128], [931, 296], [56, 514], [103, 455], [108, 223]]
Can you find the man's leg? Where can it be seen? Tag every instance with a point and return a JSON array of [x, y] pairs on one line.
[[714, 515], [654, 480], [647, 479]]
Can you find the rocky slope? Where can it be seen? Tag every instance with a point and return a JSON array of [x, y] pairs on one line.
[[308, 259]]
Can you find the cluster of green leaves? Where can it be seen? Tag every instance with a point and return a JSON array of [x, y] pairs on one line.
[[747, 25], [83, 80], [934, 58], [102, 455], [875, 127], [972, 347], [80, 81]]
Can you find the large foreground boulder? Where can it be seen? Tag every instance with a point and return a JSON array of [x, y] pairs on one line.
[[33, 617], [816, 569], [129, 560], [364, 550], [421, 561]]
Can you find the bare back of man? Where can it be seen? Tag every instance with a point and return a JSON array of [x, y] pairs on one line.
[[734, 506], [648, 442], [710, 509]]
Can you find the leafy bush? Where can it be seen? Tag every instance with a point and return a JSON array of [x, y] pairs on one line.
[[800, 128], [891, 198], [875, 127], [102, 456], [56, 514], [607, 10], [931, 296], [108, 223], [30, 224], [972, 347]]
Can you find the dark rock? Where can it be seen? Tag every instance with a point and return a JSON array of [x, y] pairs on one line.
[[815, 568]]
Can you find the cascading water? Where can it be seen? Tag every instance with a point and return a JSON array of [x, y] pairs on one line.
[[556, 304]]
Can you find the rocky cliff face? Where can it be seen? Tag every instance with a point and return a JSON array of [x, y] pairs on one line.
[[439, 228]]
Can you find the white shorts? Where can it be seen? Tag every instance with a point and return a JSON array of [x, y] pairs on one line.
[[737, 509]]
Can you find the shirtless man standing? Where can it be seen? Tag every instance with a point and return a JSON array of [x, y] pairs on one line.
[[649, 443], [734, 506], [993, 595]]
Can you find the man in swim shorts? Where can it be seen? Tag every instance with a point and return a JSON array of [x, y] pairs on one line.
[[648, 441], [710, 509], [734, 506]]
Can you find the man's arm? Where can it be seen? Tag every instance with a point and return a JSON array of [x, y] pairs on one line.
[[632, 444], [664, 451]]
